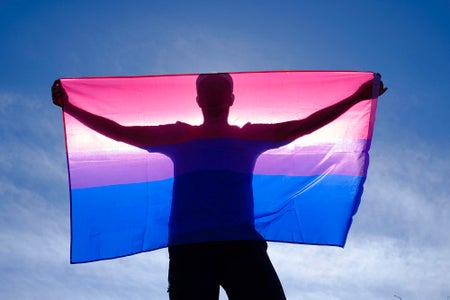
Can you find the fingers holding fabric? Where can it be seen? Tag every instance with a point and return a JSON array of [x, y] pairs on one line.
[[59, 95]]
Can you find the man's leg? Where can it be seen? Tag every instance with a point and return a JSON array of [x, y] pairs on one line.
[[193, 273], [249, 273]]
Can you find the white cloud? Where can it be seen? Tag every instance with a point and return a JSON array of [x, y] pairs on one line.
[[399, 240], [368, 268], [35, 256], [406, 188]]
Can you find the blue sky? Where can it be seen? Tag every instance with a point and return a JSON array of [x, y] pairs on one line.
[[399, 243]]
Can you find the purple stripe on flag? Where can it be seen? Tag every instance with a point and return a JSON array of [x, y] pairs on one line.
[[344, 158]]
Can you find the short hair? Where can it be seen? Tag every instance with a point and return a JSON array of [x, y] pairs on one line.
[[214, 83]]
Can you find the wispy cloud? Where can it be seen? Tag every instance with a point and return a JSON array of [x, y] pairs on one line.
[[35, 239], [399, 240]]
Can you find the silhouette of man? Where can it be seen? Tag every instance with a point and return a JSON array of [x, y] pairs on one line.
[[216, 243]]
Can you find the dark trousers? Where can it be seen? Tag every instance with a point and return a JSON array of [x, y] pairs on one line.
[[242, 268]]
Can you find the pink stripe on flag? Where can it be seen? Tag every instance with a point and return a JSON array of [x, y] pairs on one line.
[[155, 100]]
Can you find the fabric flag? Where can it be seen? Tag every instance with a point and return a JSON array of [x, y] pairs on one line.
[[305, 191]]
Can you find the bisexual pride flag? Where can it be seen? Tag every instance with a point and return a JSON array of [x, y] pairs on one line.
[[305, 191]]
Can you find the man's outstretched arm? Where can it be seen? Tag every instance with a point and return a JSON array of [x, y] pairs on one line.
[[133, 135], [291, 130]]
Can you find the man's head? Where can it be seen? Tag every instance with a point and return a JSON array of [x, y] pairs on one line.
[[214, 90]]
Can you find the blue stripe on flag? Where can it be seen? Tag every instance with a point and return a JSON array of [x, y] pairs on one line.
[[120, 220]]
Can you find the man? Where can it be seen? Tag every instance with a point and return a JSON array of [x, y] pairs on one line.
[[212, 239]]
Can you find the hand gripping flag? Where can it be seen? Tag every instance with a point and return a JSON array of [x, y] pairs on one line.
[[188, 188]]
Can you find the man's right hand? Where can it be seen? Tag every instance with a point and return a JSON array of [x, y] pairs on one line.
[[59, 95], [365, 91]]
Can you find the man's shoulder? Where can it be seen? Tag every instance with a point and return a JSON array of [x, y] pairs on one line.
[[257, 126], [176, 125]]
